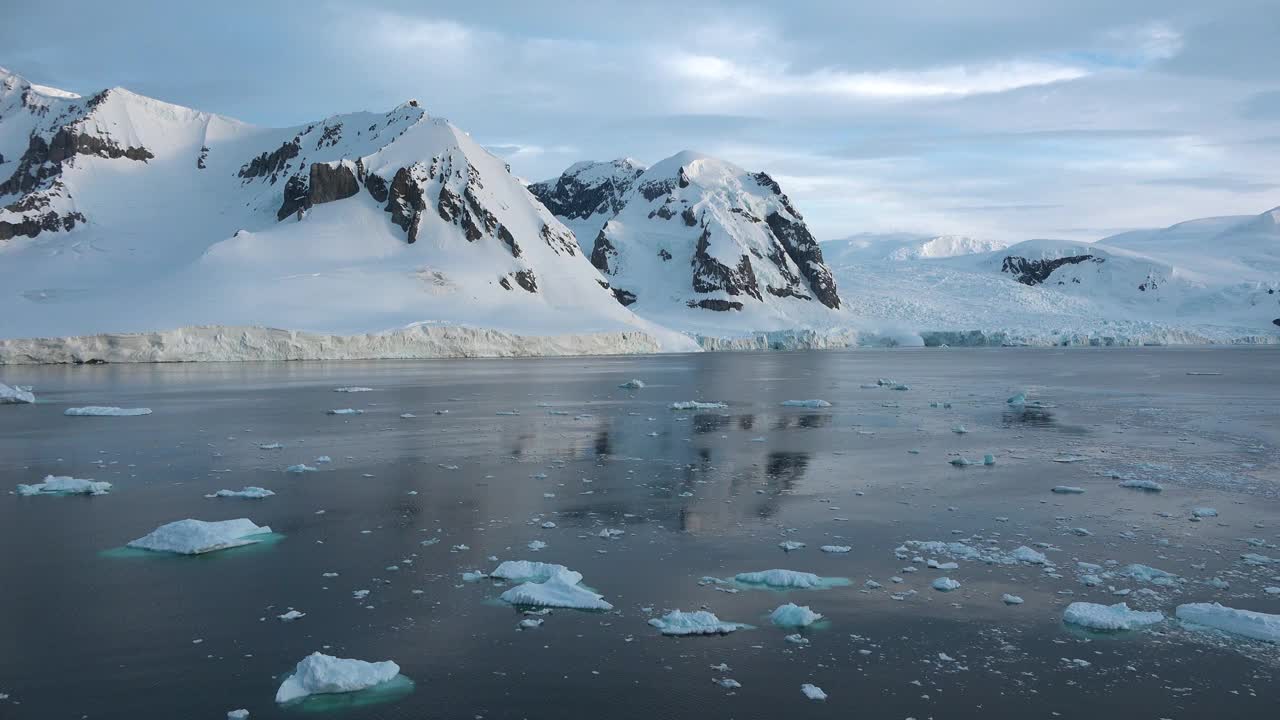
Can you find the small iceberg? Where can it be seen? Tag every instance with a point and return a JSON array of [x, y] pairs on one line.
[[790, 545], [346, 411], [632, 384], [249, 493], [1109, 618], [813, 692], [99, 411], [13, 395], [837, 549], [794, 616], [961, 461], [320, 674], [945, 584], [696, 405], [353, 389], [64, 485], [812, 404], [788, 579], [1204, 512], [1148, 485], [561, 589], [700, 622], [1011, 599], [1245, 623], [526, 570], [300, 468], [1019, 399], [195, 537], [1067, 490]]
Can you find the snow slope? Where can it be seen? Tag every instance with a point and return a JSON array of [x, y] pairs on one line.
[[864, 247], [128, 214], [1213, 280], [698, 244]]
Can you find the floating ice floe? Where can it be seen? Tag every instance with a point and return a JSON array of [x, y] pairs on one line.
[[64, 485], [561, 589], [988, 459], [1069, 459], [353, 389], [529, 623], [1204, 512], [838, 549], [611, 533], [240, 714], [961, 461], [789, 545], [346, 411], [270, 446], [320, 674], [1109, 618], [945, 584], [1245, 623], [700, 622], [788, 579], [300, 468], [15, 395], [1011, 599], [536, 545], [407, 416], [1019, 399], [963, 551], [813, 404], [1025, 554], [323, 460], [959, 429], [813, 692], [727, 683], [249, 493], [194, 537], [1148, 574], [1148, 485], [1256, 559], [792, 615], [1067, 489], [100, 411], [632, 384], [291, 616], [697, 405]]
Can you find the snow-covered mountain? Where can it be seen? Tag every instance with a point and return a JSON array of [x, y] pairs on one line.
[[125, 213], [864, 247], [698, 243], [1214, 279]]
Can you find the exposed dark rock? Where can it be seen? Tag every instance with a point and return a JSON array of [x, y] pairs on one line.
[[332, 183], [330, 136], [662, 253], [509, 240], [405, 203], [803, 250], [1276, 322], [527, 280], [505, 282], [682, 179], [715, 304], [377, 187], [569, 197], [272, 163], [32, 226], [665, 212], [559, 241], [625, 297], [764, 181], [744, 213], [43, 159], [603, 251], [1035, 272], [710, 275], [689, 217], [204, 153], [473, 230], [450, 205], [297, 198], [655, 189]]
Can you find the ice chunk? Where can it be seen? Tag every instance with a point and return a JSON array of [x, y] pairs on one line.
[[324, 460], [988, 459], [1067, 489], [961, 461], [1027, 555], [300, 468], [1204, 512], [632, 384], [10, 395], [561, 589], [407, 416], [696, 405], [193, 537], [1011, 599], [959, 429], [1109, 617], [945, 584], [1245, 623], [1019, 399], [346, 411], [814, 403], [1148, 574], [353, 389], [291, 616], [250, 493], [529, 623], [792, 615], [240, 714], [611, 533], [270, 446], [790, 545], [780, 579], [813, 692], [64, 485], [523, 570], [99, 411], [1150, 485], [836, 548], [699, 622], [320, 674]]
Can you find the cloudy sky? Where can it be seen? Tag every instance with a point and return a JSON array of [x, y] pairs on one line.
[[997, 118]]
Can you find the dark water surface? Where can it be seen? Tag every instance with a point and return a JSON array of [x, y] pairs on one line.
[[89, 632]]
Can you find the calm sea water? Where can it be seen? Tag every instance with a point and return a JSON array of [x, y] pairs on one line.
[[87, 631]]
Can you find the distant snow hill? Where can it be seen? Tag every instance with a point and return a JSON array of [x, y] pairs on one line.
[[122, 213], [1215, 280]]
